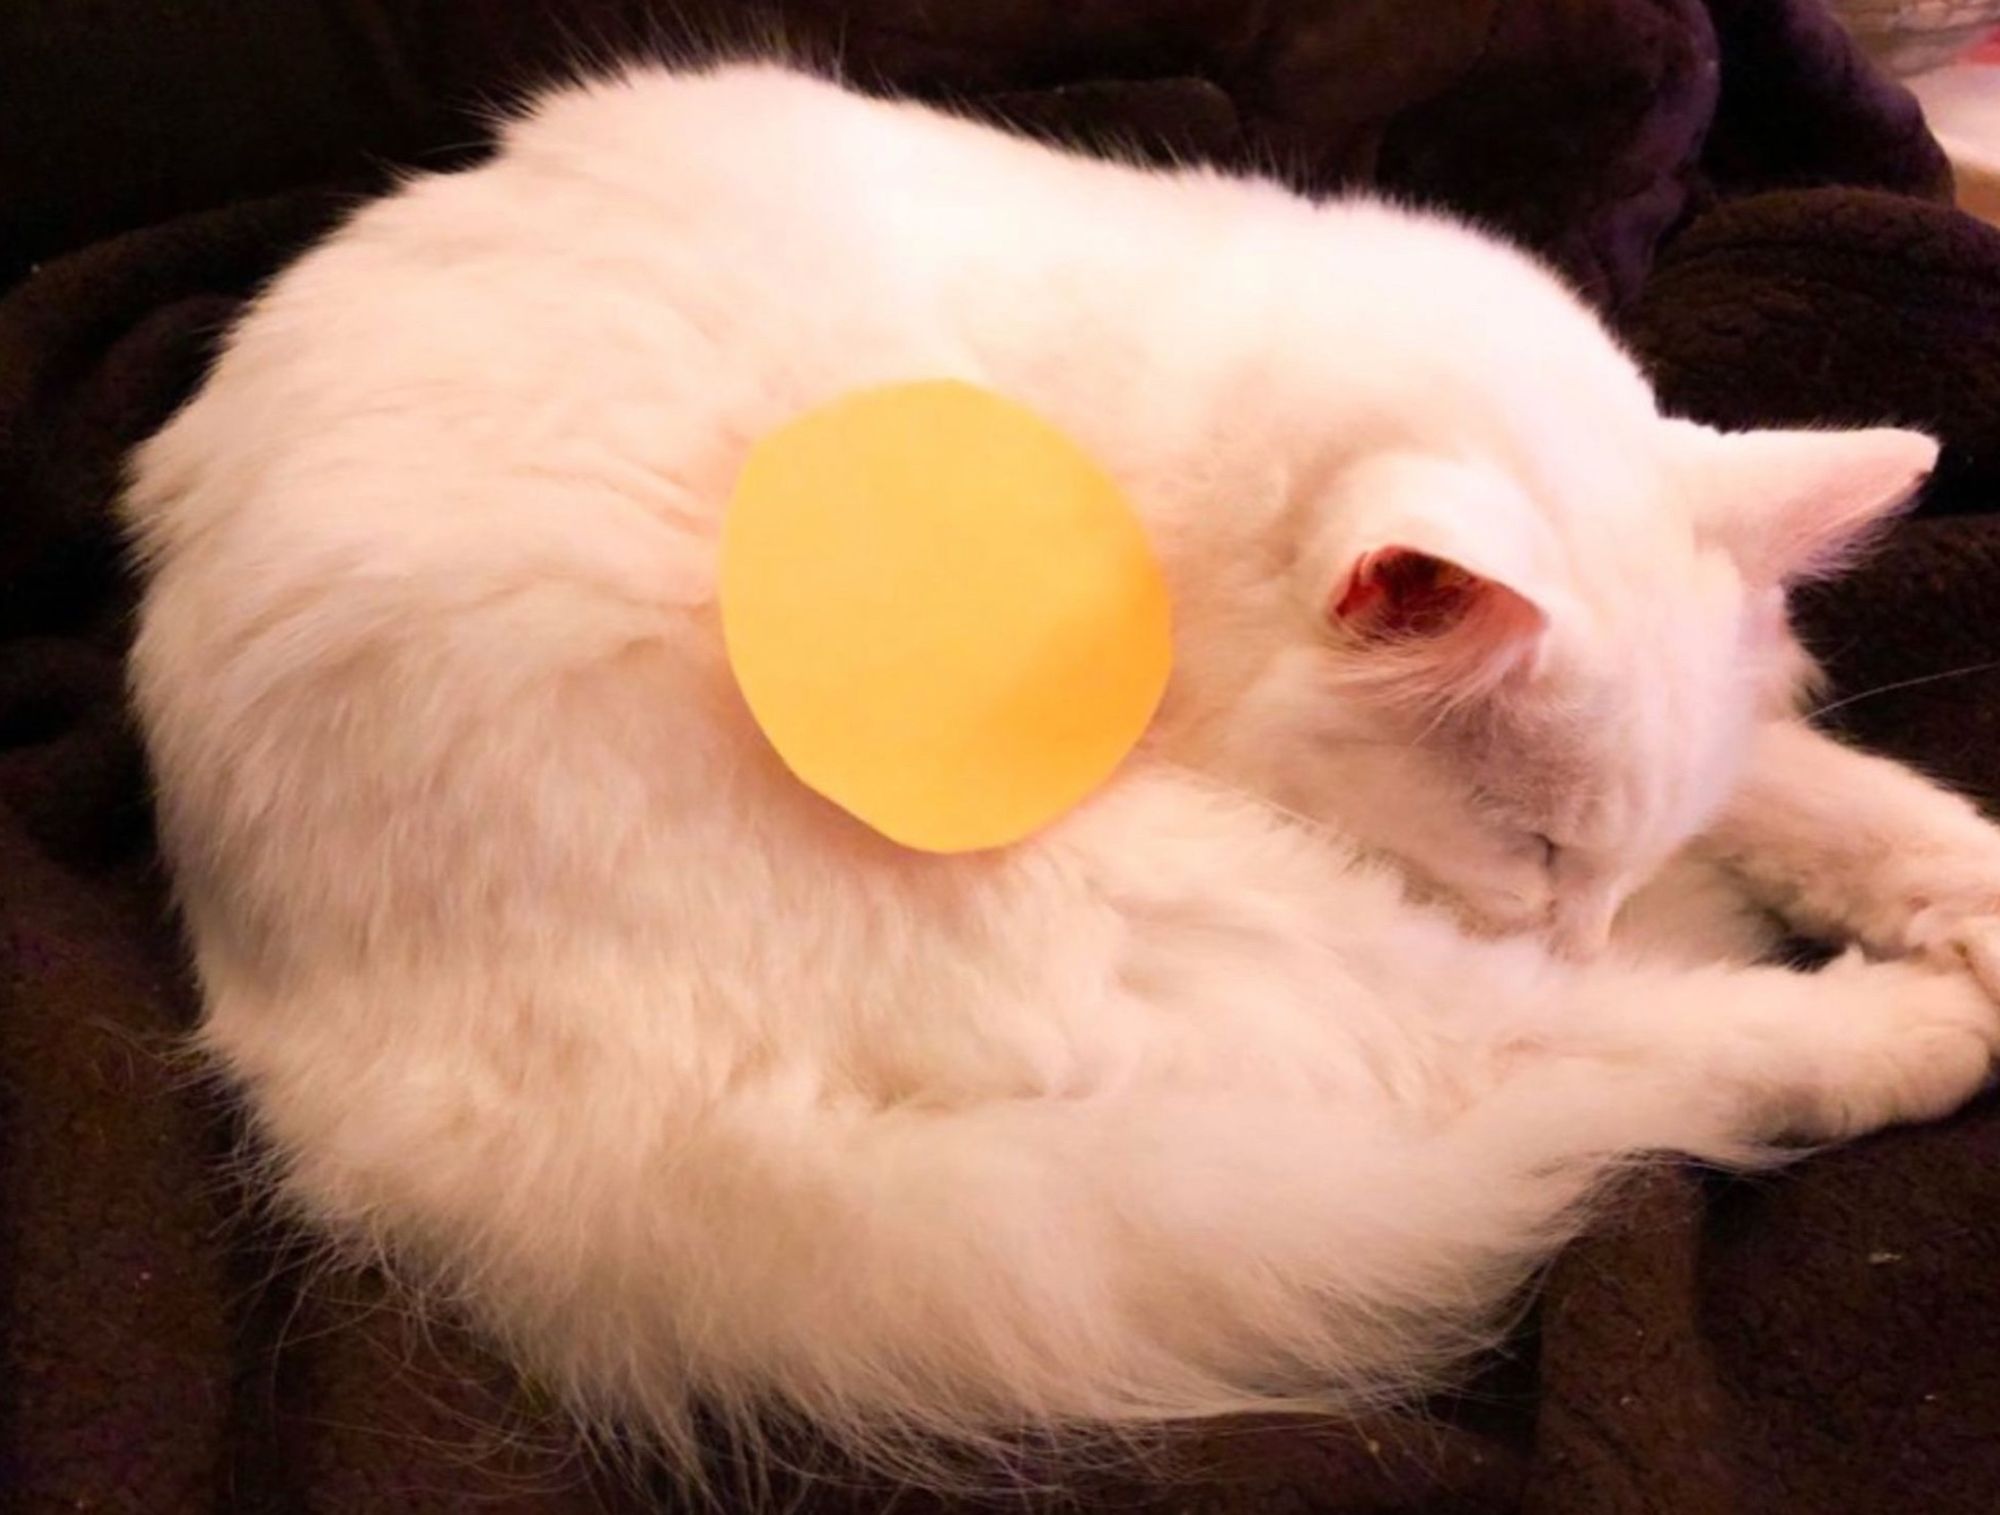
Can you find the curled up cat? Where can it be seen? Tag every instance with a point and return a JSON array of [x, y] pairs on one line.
[[1263, 1080]]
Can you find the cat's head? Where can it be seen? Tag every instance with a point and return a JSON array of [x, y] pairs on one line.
[[1530, 703]]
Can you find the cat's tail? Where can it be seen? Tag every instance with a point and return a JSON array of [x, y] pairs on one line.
[[917, 1277]]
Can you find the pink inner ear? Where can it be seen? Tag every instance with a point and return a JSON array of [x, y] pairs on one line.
[[1400, 592]]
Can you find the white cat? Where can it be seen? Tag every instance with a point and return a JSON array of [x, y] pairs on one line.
[[542, 976]]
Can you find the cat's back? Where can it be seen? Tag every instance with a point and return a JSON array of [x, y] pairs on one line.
[[652, 270]]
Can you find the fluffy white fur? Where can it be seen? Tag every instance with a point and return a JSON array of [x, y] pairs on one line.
[[542, 975]]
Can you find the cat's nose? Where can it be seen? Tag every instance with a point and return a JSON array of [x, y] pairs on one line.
[[1508, 912], [1584, 921]]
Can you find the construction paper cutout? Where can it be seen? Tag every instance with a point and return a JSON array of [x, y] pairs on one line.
[[941, 612]]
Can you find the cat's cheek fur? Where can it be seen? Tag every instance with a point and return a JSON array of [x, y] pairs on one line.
[[546, 982]]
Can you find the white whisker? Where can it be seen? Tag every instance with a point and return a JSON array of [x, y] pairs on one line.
[[1856, 698]]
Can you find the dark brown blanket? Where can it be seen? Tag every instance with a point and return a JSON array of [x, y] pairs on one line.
[[1763, 216]]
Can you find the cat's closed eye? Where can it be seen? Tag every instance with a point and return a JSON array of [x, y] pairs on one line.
[[1531, 843]]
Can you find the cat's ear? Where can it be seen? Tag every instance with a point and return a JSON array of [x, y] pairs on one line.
[[1406, 593], [1434, 561], [1792, 505]]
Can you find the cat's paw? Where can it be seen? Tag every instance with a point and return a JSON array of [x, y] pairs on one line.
[[1959, 932], [1912, 1042], [1941, 903]]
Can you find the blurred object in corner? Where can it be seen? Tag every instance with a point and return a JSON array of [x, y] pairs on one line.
[[1912, 36], [1962, 107]]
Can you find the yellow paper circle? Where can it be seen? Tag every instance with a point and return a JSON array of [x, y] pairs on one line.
[[943, 615]]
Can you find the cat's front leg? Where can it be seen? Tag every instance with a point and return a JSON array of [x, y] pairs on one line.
[[1848, 845], [1715, 1061]]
